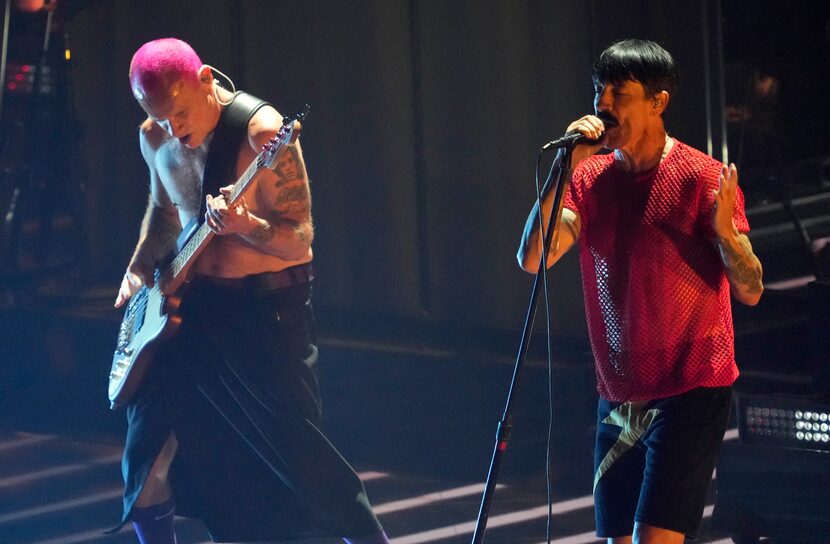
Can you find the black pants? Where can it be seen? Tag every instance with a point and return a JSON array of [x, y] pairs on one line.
[[238, 386]]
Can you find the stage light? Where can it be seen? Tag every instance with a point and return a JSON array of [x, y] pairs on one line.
[[782, 421]]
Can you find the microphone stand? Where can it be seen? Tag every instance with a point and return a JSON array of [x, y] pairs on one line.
[[505, 424]]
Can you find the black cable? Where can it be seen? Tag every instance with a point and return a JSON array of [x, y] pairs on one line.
[[548, 337]]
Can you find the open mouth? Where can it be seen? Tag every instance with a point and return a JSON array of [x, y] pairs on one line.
[[185, 139], [608, 120]]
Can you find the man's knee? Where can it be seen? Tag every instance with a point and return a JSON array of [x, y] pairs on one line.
[[156, 487]]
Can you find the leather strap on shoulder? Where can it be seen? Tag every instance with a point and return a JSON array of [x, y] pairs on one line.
[[228, 135]]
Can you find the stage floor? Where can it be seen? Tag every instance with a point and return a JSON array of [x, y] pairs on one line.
[[416, 418], [56, 490], [417, 425]]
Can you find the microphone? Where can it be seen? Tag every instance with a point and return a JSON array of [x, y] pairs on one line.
[[570, 139]]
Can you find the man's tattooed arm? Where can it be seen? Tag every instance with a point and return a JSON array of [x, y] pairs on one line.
[[287, 230], [743, 269]]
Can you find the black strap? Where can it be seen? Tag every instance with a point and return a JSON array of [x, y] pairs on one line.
[[228, 135]]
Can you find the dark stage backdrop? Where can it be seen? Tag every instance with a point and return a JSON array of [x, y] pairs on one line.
[[426, 120]]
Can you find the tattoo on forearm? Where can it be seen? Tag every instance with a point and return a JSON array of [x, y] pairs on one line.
[[742, 266], [278, 224], [262, 233]]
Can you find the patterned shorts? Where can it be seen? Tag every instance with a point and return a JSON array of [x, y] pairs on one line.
[[654, 459]]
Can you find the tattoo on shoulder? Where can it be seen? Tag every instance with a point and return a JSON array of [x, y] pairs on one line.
[[289, 167], [293, 198]]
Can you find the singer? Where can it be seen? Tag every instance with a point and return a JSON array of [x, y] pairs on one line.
[[662, 238]]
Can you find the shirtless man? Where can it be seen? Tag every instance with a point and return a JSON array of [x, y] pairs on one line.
[[233, 397]]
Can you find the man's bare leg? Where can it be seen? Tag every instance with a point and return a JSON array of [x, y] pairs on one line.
[[648, 534], [155, 508]]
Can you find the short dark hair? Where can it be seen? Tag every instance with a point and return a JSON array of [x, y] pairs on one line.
[[638, 60]]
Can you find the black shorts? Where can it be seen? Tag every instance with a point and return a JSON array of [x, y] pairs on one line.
[[653, 460]]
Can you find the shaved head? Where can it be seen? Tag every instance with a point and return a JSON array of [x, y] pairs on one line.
[[159, 68]]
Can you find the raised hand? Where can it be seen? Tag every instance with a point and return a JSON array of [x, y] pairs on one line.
[[725, 197]]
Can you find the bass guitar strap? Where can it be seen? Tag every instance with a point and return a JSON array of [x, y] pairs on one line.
[[232, 128]]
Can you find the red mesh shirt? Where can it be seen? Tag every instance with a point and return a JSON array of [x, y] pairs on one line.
[[656, 296]]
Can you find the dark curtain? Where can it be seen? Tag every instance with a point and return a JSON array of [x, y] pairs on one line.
[[421, 145]]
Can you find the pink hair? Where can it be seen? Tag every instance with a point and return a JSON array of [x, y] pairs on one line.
[[159, 64]]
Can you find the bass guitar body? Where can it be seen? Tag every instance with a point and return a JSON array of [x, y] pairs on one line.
[[150, 319]]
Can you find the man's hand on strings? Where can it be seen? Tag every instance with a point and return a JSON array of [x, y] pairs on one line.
[[224, 219]]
